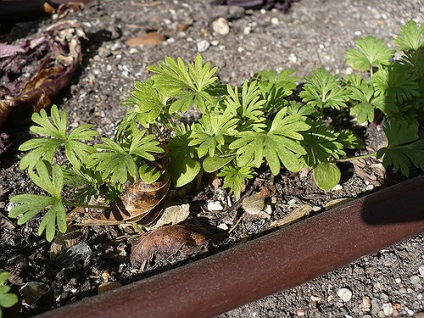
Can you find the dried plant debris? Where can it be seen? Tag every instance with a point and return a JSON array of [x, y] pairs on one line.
[[166, 241], [34, 70], [282, 5], [4, 141]]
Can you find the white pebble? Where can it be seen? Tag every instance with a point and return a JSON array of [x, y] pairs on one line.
[[292, 58], [337, 187], [421, 270], [414, 279], [202, 46], [221, 26], [223, 226], [315, 298], [275, 21], [366, 304], [215, 206], [387, 309], [247, 30], [345, 294], [292, 202]]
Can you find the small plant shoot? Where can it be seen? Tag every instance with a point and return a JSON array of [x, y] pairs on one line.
[[261, 124]]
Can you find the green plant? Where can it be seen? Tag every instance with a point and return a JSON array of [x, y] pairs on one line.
[[261, 123], [7, 299]]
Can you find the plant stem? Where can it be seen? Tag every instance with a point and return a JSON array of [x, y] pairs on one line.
[[86, 206], [372, 154]]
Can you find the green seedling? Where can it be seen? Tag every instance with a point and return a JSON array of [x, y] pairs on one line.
[[259, 124], [7, 299]]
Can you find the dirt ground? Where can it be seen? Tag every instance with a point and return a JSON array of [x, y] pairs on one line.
[[313, 33]]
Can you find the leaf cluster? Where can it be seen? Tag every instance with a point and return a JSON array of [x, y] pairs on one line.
[[269, 121], [7, 299]]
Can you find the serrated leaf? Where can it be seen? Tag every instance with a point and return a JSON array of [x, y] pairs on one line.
[[41, 149], [279, 145], [147, 101], [323, 90], [29, 205], [145, 146], [363, 108], [276, 87], [395, 83], [55, 128], [55, 216], [187, 84], [41, 177], [404, 149], [234, 177], [211, 164], [410, 36], [114, 162], [248, 105], [320, 143], [210, 133], [326, 175], [371, 52], [182, 166]]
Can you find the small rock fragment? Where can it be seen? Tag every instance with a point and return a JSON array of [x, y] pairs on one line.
[[345, 294], [414, 279], [387, 309], [421, 270], [221, 26], [315, 298], [215, 206], [366, 304], [202, 46]]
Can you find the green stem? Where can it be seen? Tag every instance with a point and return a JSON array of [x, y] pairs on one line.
[[372, 154], [86, 206]]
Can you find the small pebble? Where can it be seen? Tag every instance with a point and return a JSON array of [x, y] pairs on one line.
[[337, 187], [345, 294], [202, 46], [315, 298], [366, 304], [223, 226], [221, 26], [215, 206], [387, 309], [421, 270], [414, 279]]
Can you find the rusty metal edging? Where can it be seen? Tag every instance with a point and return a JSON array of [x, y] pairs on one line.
[[277, 261]]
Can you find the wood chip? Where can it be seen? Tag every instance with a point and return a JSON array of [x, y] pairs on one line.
[[151, 38], [294, 216]]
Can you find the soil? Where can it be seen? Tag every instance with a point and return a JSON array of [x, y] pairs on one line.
[[313, 33]]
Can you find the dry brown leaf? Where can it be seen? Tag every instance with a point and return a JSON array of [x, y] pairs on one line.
[[151, 38], [169, 240], [173, 215], [141, 202], [294, 216], [62, 41], [107, 286], [336, 202], [62, 242], [255, 204]]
